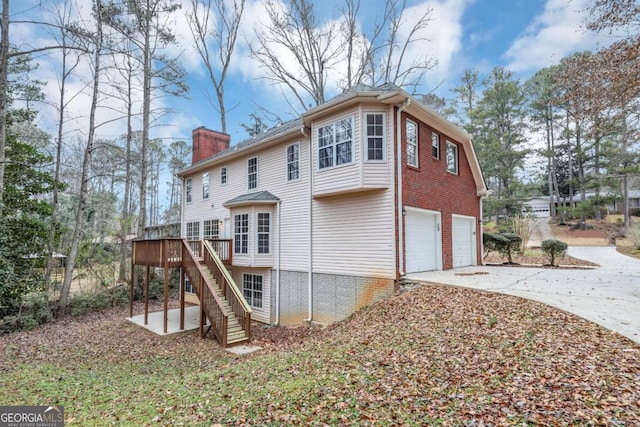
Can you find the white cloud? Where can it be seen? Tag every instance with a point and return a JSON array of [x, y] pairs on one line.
[[552, 35]]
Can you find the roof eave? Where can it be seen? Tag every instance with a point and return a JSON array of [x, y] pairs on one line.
[[204, 164]]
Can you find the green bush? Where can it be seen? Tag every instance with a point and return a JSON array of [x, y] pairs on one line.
[[553, 249], [634, 211], [511, 246], [492, 242], [34, 310], [86, 302]]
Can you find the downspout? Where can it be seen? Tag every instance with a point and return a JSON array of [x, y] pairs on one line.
[[401, 108], [310, 231], [277, 322]]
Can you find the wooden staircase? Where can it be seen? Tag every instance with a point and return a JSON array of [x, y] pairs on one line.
[[235, 334]]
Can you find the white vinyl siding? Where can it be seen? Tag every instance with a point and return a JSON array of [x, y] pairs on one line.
[[452, 157], [412, 143], [354, 235]]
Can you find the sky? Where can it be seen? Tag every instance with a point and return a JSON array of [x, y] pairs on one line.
[[521, 35]]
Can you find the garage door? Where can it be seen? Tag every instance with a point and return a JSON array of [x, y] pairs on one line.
[[463, 241], [422, 233]]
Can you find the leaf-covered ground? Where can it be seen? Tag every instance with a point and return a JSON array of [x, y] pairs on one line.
[[436, 355]]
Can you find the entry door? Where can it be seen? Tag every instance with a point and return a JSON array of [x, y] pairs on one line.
[[463, 241], [423, 240]]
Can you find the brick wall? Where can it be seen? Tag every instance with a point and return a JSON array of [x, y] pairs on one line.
[[431, 186]]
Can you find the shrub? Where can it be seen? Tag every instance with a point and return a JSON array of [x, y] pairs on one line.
[[553, 249], [34, 310], [492, 242], [511, 246], [634, 235], [523, 226], [86, 302], [634, 211]]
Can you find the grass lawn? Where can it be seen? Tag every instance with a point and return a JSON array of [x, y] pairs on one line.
[[436, 355]]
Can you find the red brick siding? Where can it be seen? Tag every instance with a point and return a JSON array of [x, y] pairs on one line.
[[431, 186]]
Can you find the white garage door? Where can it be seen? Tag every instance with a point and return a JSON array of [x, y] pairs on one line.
[[463, 241], [423, 248]]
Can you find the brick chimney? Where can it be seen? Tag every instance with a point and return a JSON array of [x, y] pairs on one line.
[[207, 143]]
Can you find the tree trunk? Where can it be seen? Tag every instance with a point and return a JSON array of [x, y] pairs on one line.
[[146, 112], [550, 170], [86, 163], [4, 75], [125, 228]]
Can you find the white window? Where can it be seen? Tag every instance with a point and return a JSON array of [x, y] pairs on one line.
[[211, 229], [435, 145], [188, 190], [452, 157], [193, 230], [375, 136], [264, 233], [293, 162], [412, 143], [252, 173], [241, 234], [252, 289], [335, 143], [223, 175], [205, 186]]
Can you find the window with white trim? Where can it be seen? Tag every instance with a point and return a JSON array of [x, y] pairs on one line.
[[223, 175], [188, 190], [264, 233], [205, 186], [452, 157], [252, 173], [252, 289], [435, 145], [335, 143], [375, 136], [241, 234], [210, 229], [412, 143], [293, 162], [193, 230]]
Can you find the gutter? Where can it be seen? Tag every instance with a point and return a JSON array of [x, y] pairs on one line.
[[401, 108], [277, 322], [309, 319]]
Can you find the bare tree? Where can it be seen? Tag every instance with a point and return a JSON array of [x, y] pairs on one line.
[[145, 23], [95, 39], [296, 51], [215, 39], [4, 75]]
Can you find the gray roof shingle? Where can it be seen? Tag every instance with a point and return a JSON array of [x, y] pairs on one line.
[[249, 198]]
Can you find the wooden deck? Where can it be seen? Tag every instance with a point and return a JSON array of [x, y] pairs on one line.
[[204, 263]]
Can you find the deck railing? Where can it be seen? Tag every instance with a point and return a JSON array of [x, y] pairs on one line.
[[210, 303], [230, 290], [157, 252], [224, 249]]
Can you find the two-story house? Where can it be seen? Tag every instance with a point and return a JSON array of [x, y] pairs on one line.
[[328, 212]]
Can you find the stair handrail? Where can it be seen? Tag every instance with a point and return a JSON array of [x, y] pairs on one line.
[[221, 332], [225, 273]]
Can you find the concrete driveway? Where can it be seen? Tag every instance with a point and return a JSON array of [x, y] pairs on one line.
[[608, 295]]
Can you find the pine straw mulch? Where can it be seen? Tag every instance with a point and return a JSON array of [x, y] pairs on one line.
[[536, 258], [435, 355]]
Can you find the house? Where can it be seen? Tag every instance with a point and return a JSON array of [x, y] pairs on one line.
[[540, 207], [327, 212]]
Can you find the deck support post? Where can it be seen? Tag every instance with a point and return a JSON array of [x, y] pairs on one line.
[[181, 299], [165, 262], [146, 294], [133, 278], [202, 313]]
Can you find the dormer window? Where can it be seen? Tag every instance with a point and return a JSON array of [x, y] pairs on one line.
[[335, 143]]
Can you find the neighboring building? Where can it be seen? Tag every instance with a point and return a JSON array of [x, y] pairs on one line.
[[538, 206], [322, 223]]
